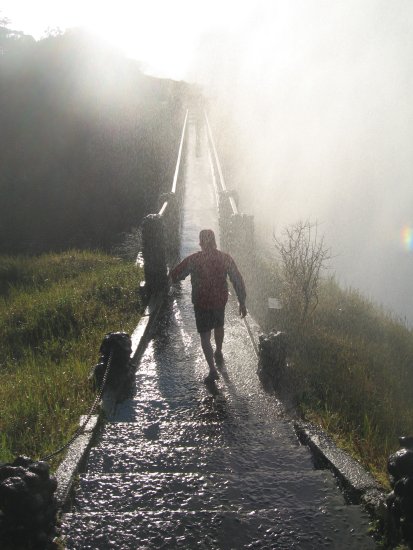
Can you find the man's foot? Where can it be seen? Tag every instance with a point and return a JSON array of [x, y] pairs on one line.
[[212, 376], [219, 358]]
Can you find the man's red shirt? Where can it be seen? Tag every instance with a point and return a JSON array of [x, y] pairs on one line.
[[209, 269]]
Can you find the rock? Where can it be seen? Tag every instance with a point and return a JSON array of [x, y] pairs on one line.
[[41, 468], [24, 461], [27, 505], [52, 484], [393, 504], [406, 507], [32, 480], [8, 471], [407, 531], [404, 487], [400, 464], [42, 539], [37, 502], [13, 492], [406, 442], [400, 501]]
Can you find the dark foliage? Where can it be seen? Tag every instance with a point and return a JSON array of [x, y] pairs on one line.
[[87, 142]]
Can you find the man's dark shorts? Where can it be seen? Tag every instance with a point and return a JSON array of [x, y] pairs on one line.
[[208, 319]]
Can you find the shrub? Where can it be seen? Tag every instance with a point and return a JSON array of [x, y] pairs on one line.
[[302, 256]]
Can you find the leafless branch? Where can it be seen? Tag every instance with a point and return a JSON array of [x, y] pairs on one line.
[[303, 256]]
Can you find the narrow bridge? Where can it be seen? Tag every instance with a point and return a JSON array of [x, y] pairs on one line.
[[179, 465]]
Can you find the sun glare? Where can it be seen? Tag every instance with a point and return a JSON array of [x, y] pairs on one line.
[[160, 40], [163, 35]]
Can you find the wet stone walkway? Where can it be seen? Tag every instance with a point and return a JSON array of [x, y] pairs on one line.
[[181, 465]]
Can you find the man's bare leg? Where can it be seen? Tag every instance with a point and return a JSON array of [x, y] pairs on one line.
[[219, 338], [207, 349]]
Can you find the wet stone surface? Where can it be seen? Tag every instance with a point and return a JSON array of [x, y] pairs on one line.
[[181, 465], [279, 528], [223, 491]]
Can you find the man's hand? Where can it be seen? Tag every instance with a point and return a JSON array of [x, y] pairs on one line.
[[242, 310], [169, 287]]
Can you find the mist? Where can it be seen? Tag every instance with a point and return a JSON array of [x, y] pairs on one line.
[[312, 101]]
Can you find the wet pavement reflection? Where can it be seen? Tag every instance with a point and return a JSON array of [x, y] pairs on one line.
[[183, 465]]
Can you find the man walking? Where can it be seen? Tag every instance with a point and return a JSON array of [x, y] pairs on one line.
[[209, 269]]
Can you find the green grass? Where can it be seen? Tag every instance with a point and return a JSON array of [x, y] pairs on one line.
[[353, 370], [351, 366], [54, 311]]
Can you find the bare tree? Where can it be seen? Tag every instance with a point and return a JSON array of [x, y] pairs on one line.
[[303, 256], [4, 21]]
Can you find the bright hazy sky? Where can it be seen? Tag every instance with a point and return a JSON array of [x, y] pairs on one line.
[[325, 89], [163, 34]]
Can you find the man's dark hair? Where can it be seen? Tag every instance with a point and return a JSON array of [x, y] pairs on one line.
[[207, 238]]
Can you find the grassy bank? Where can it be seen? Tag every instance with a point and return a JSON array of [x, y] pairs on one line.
[[350, 361], [54, 311], [352, 372]]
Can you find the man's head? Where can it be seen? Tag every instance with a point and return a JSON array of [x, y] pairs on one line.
[[207, 239]]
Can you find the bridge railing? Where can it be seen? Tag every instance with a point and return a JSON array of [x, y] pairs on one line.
[[236, 229], [161, 231], [237, 236]]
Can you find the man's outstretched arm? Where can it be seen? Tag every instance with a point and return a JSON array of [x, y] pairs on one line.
[[180, 271], [239, 286]]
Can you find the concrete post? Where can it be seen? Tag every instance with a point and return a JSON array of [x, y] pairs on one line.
[[225, 212], [154, 256], [272, 357], [172, 224], [241, 237], [118, 347]]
